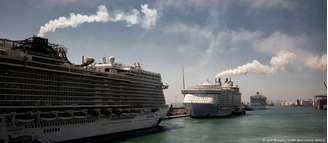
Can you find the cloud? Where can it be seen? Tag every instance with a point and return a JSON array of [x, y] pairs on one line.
[[205, 45], [221, 5], [264, 4], [279, 41], [147, 19], [214, 43], [317, 62], [278, 63]]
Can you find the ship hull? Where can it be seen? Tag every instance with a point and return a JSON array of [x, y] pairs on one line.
[[207, 111], [82, 129], [258, 107], [204, 105]]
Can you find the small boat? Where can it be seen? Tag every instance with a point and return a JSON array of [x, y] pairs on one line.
[[248, 108]]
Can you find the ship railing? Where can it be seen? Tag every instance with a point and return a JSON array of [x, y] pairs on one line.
[[120, 66], [190, 91], [6, 45]]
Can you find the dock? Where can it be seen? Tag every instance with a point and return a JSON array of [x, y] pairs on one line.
[[177, 111], [177, 116]]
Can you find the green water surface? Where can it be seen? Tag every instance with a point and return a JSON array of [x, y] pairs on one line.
[[277, 124]]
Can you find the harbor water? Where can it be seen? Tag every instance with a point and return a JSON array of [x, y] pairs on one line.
[[277, 124]]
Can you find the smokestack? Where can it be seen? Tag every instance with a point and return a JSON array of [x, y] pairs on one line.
[[325, 84], [183, 78], [147, 19], [83, 59]]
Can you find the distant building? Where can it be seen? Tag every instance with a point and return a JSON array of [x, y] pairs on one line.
[[287, 103], [307, 102], [320, 102]]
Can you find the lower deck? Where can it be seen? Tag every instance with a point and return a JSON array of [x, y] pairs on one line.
[[64, 130]]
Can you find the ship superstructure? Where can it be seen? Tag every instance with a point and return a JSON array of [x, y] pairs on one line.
[[213, 100], [44, 97], [258, 101]]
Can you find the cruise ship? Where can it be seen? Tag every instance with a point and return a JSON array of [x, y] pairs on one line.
[[258, 101], [46, 98], [213, 100]]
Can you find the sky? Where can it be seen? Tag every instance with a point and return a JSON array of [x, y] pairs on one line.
[[206, 37]]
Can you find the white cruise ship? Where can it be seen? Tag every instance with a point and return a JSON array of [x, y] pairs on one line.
[[45, 98], [258, 101], [213, 100]]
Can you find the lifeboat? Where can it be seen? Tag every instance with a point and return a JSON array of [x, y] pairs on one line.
[[48, 116], [136, 110], [117, 111], [126, 110], [79, 114], [147, 110], [25, 117], [106, 112], [154, 109], [128, 115], [94, 112], [65, 115]]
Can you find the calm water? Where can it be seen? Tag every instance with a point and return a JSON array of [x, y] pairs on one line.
[[277, 123]]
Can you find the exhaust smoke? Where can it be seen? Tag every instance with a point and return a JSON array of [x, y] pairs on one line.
[[147, 17], [278, 63]]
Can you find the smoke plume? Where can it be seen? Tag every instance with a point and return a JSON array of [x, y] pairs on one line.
[[150, 16], [278, 63], [317, 62], [253, 67], [146, 17]]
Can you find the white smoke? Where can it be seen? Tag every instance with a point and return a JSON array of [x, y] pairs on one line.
[[147, 17], [281, 61], [150, 16], [317, 62], [278, 63], [254, 67], [130, 18]]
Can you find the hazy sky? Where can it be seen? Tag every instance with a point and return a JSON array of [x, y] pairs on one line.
[[206, 36]]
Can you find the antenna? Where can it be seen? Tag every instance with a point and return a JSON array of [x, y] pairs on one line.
[[183, 78], [324, 82]]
